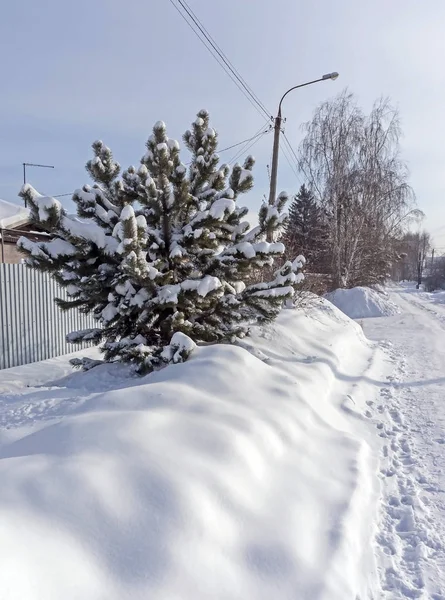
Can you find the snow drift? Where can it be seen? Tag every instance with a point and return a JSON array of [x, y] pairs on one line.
[[362, 303], [238, 474]]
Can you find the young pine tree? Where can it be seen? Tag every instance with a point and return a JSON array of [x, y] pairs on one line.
[[158, 256]]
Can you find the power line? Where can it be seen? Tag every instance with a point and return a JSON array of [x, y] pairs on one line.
[[246, 147], [242, 90], [244, 141], [294, 154], [224, 57], [289, 161], [291, 165], [219, 56], [257, 135], [291, 157]]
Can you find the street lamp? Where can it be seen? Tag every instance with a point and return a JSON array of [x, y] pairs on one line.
[[276, 139], [33, 165]]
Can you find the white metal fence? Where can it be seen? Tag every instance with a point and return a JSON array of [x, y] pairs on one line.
[[32, 327]]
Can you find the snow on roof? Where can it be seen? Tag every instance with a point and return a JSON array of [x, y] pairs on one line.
[[12, 215]]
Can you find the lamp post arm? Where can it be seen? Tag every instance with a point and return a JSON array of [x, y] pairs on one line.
[[295, 88]]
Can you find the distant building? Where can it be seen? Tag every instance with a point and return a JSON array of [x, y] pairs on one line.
[[15, 222]]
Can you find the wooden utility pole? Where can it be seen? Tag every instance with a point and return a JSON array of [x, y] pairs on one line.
[[432, 257]]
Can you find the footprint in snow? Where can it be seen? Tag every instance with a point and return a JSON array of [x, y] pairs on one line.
[[421, 478], [407, 500], [388, 545], [394, 501], [405, 446], [388, 472], [407, 523]]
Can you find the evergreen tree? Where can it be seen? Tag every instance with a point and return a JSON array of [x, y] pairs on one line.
[[158, 255], [306, 231]]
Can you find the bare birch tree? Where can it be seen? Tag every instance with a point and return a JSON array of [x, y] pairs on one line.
[[352, 164]]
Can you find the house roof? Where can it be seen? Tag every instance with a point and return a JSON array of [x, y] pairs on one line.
[[12, 215]]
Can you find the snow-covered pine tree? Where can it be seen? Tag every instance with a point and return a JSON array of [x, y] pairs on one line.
[[83, 255], [306, 230], [159, 255]]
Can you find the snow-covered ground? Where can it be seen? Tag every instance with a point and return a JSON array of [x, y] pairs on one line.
[[239, 474], [410, 418], [308, 464]]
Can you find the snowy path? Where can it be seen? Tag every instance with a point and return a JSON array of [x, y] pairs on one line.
[[410, 418]]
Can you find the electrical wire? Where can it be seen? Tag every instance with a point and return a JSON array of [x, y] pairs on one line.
[[243, 142], [290, 162], [244, 150], [287, 155], [291, 157], [246, 146], [294, 154], [223, 55], [258, 134], [255, 135], [231, 71], [220, 57], [242, 90]]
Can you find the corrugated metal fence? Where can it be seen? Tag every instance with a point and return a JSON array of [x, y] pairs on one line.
[[32, 327]]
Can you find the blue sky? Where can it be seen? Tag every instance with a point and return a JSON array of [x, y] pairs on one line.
[[74, 72]]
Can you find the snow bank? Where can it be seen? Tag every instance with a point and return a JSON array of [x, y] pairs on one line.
[[363, 302], [238, 474]]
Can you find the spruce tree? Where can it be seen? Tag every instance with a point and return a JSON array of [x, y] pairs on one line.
[[158, 256], [306, 230]]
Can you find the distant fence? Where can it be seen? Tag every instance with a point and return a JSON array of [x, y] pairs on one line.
[[32, 327]]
